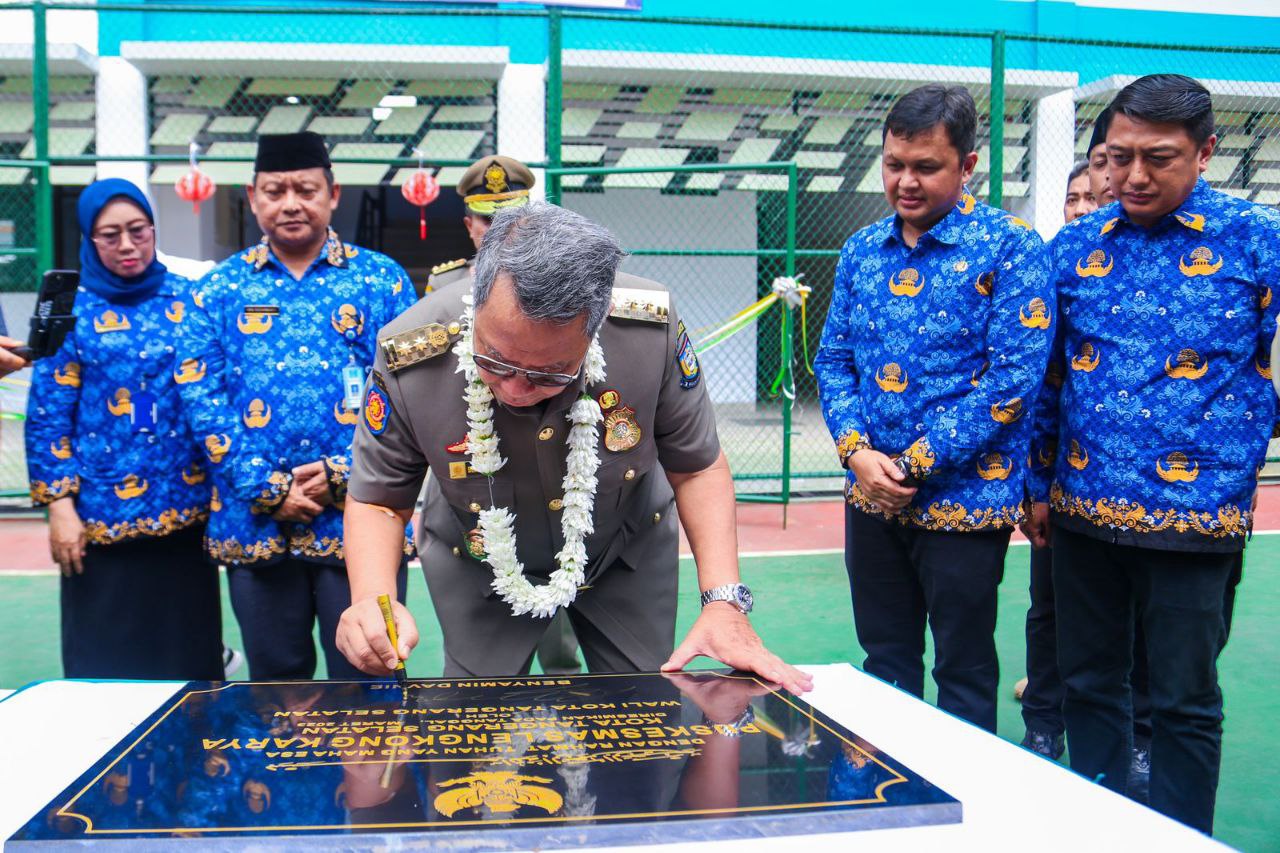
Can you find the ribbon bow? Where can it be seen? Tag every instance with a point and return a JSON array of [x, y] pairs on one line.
[[785, 289]]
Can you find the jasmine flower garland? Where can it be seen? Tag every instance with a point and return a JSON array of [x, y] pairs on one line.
[[497, 524]]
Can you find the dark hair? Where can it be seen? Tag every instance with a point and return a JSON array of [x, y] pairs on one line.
[[1077, 170], [1100, 126], [328, 177], [1168, 99], [933, 104]]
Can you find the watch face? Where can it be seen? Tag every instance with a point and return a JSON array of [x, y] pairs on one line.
[[745, 599]]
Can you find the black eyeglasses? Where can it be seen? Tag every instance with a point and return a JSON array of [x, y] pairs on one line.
[[137, 234], [535, 377]]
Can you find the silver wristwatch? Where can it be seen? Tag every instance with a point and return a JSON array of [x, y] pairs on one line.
[[736, 594]]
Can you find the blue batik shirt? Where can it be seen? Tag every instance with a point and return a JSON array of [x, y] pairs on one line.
[[104, 420], [936, 354], [1156, 430], [260, 366]]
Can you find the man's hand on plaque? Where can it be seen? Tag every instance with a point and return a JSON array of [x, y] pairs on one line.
[[721, 700], [724, 633], [362, 636], [1036, 525]]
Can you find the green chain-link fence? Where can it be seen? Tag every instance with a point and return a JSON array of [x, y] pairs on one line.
[[723, 153]]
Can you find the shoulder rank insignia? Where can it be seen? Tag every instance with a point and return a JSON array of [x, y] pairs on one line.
[[651, 306], [420, 344], [448, 265]]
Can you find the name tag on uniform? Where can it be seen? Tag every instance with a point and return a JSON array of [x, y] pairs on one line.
[[142, 413], [270, 310], [352, 386]]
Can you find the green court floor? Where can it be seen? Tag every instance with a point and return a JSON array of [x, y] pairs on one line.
[[803, 612]]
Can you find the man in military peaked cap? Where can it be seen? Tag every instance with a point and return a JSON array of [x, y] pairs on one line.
[[494, 391], [490, 184]]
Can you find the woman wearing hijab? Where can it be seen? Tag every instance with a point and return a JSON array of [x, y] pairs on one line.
[[109, 453]]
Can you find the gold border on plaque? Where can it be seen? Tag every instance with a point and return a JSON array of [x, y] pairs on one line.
[[63, 811]]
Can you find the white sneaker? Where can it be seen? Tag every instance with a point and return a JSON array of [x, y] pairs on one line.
[[232, 660]]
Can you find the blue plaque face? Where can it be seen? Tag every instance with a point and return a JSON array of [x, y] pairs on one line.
[[540, 762]]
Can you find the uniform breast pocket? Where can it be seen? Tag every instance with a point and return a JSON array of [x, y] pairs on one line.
[[468, 496], [620, 474]]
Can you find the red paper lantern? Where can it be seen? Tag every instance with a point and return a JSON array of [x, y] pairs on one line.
[[195, 186], [421, 189]]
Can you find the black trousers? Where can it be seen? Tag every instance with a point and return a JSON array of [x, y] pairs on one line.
[[902, 578], [1101, 590], [144, 609], [1042, 699], [278, 606]]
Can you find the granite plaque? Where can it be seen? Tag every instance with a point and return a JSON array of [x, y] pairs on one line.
[[475, 764]]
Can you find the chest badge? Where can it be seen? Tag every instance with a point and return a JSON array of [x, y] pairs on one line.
[[892, 378], [347, 321], [131, 487], [1189, 365], [190, 370], [254, 323], [621, 431], [909, 283], [257, 415], [348, 417], [1036, 315], [110, 321], [1202, 263], [1097, 265], [121, 403]]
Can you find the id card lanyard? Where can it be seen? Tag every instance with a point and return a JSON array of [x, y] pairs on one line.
[[143, 409], [352, 375]]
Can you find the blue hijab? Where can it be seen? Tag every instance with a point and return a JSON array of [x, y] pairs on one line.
[[94, 274]]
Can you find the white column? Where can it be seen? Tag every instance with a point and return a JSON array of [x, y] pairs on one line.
[[1053, 142], [522, 118], [123, 126]]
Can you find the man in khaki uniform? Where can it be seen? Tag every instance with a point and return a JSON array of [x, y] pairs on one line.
[[490, 184], [545, 279]]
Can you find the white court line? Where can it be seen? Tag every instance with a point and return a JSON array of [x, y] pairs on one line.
[[743, 555]]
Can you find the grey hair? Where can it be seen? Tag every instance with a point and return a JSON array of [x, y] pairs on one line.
[[1077, 170], [561, 264]]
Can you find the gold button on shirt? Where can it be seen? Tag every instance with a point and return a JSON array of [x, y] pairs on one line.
[[546, 434], [555, 505]]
